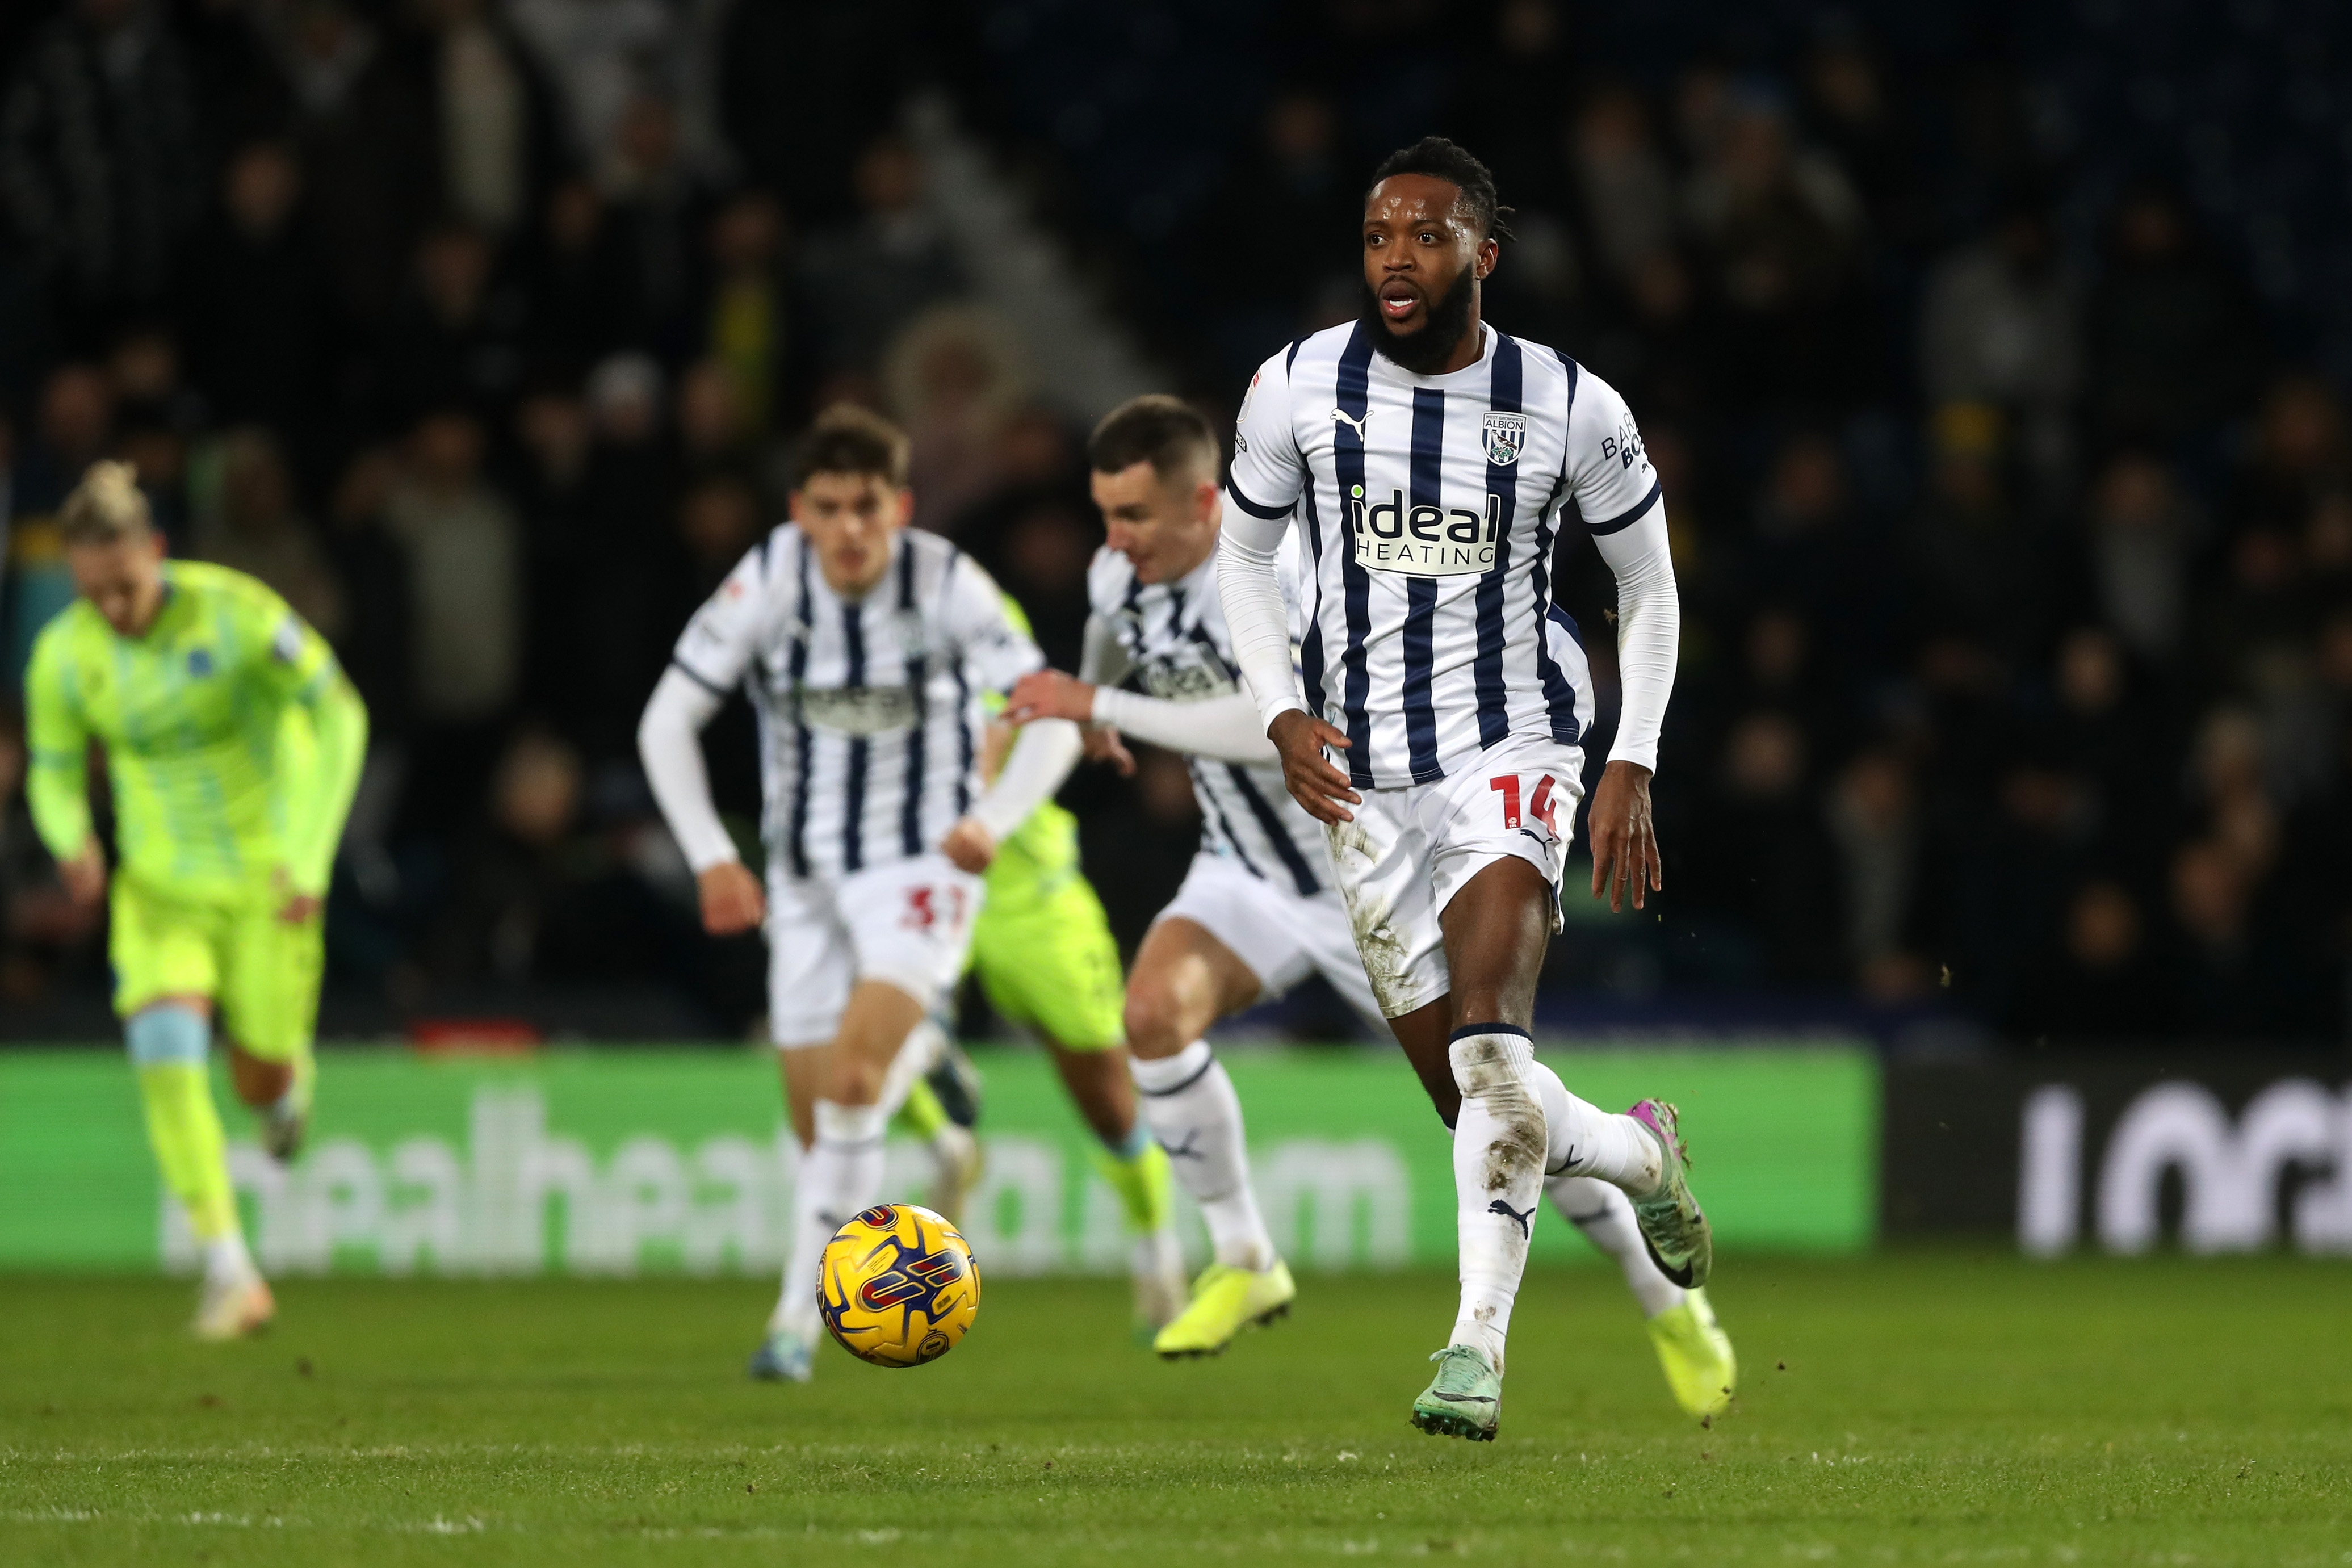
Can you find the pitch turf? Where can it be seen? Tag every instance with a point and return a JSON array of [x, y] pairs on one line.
[[1922, 1408]]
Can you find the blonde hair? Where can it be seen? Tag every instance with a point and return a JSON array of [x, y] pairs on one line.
[[106, 506]]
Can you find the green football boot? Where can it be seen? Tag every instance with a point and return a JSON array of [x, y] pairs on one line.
[[1226, 1301], [1673, 1225], [1696, 1355], [783, 1357], [1464, 1400]]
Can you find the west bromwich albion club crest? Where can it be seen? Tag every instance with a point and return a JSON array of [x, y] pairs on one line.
[[1505, 435]]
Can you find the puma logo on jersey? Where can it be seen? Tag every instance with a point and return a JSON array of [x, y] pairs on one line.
[[1351, 422]]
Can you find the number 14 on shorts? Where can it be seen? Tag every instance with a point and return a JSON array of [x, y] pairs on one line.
[[1541, 804]]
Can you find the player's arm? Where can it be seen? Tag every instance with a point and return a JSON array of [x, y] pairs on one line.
[[712, 653], [313, 794], [1269, 474], [56, 778], [1102, 661], [1225, 728], [991, 637], [1619, 494]]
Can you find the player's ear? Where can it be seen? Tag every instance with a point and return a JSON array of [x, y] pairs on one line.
[[1204, 501], [904, 512], [1490, 253], [793, 506]]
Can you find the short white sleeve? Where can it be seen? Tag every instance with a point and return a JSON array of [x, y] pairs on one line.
[[725, 635], [1609, 472], [1269, 473], [995, 652]]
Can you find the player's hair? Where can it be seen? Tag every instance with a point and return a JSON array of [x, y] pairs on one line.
[[106, 506], [1166, 432], [1456, 164], [848, 439]]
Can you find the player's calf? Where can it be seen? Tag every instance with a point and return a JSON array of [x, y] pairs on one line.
[[1500, 1147]]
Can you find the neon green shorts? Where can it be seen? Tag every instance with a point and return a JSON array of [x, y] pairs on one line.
[[261, 974], [1043, 945]]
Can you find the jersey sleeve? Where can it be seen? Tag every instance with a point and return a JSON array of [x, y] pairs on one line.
[[1297, 576], [724, 636], [313, 785], [985, 629], [57, 781], [1269, 472], [294, 663], [1609, 472], [1108, 576]]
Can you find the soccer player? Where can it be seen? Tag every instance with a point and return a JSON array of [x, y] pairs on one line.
[[1427, 459], [867, 651], [1259, 910], [233, 746]]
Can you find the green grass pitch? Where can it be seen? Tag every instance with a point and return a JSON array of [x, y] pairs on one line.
[[1922, 1407]]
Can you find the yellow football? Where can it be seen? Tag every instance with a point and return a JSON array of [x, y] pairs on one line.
[[898, 1286]]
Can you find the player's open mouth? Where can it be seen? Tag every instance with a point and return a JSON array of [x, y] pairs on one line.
[[1398, 300]]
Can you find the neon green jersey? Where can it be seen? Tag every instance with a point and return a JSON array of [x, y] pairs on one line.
[[1036, 862], [233, 742]]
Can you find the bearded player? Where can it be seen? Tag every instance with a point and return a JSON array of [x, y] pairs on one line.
[[1259, 910], [232, 744], [1428, 460]]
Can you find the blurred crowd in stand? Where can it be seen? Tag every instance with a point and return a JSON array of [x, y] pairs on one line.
[[2013, 519]]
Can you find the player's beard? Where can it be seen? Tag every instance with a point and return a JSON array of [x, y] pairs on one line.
[[1445, 322]]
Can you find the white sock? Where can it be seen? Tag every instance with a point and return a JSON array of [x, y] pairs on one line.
[[1605, 1215], [1586, 1141], [1152, 1254], [918, 1053], [1498, 1173], [1192, 1108], [840, 1174], [226, 1261]]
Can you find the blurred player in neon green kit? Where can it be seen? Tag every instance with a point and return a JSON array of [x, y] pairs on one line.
[[232, 744]]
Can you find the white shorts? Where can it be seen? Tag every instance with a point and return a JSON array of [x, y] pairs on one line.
[[1282, 937], [1410, 850], [909, 923]]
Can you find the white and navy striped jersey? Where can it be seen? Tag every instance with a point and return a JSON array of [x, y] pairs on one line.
[[1430, 506], [870, 709], [1174, 635]]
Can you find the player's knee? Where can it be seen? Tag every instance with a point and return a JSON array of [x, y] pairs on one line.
[[260, 1081], [856, 1081], [1153, 1021], [166, 1033]]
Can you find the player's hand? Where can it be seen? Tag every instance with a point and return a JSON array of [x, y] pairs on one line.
[[1300, 737], [732, 898], [971, 846], [294, 908], [1103, 744], [1049, 694], [84, 875], [1624, 839]]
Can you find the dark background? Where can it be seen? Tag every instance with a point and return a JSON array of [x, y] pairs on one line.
[[1992, 356]]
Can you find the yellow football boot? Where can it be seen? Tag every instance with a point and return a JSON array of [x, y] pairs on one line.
[[1696, 1355], [1226, 1301]]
